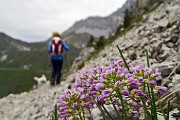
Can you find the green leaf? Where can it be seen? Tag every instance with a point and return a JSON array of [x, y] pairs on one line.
[[154, 111], [55, 113], [164, 114], [52, 117], [110, 117], [168, 110], [178, 97], [120, 52], [147, 58]]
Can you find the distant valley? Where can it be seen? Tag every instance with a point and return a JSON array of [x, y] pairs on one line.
[[21, 61]]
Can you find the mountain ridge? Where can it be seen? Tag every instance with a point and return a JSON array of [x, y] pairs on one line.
[[98, 26]]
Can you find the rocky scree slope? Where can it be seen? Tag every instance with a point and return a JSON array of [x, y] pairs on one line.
[[159, 32]]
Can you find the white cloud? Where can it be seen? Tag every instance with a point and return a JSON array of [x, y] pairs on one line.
[[34, 20]]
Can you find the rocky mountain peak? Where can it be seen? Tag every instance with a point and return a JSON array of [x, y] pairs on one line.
[[128, 5], [9, 43], [100, 26]]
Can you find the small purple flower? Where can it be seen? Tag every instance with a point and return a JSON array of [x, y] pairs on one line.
[[63, 118], [68, 94], [66, 111], [62, 109], [62, 115], [147, 73], [58, 105], [90, 117], [130, 64], [115, 101], [82, 96], [102, 80], [128, 61], [107, 92], [134, 69], [51, 111], [118, 84], [162, 89], [78, 83], [134, 84], [90, 82], [121, 64], [87, 96], [104, 75], [152, 68], [120, 74], [62, 97], [130, 79], [125, 71], [87, 105], [91, 102], [157, 74], [63, 104], [116, 69], [75, 105], [93, 92], [133, 113], [125, 92], [140, 79], [80, 89], [153, 83], [101, 99], [99, 86], [137, 71], [139, 92]]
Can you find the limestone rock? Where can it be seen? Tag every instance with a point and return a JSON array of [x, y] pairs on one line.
[[176, 78], [163, 23], [132, 55], [165, 68]]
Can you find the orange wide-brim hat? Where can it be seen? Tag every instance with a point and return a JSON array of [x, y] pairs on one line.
[[56, 34]]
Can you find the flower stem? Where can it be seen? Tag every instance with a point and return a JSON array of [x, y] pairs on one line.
[[144, 86], [122, 102], [102, 112], [107, 112], [154, 105], [162, 110], [168, 110], [55, 117], [145, 107], [120, 52], [80, 117], [151, 101], [149, 92], [79, 113], [119, 117], [147, 57]]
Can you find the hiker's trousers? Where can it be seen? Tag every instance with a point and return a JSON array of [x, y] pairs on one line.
[[56, 71]]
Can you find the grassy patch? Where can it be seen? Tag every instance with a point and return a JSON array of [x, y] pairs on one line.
[[16, 81]]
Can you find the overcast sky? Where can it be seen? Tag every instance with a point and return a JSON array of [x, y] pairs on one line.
[[35, 20]]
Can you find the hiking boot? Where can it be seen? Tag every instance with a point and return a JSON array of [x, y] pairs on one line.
[[58, 83], [52, 83]]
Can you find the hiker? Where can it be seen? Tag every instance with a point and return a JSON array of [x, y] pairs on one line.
[[55, 50]]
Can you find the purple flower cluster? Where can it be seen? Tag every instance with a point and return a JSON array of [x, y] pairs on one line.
[[105, 85]]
